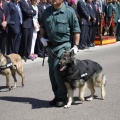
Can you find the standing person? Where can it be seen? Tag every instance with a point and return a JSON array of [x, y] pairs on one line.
[[27, 27], [84, 19], [113, 7], [102, 6], [59, 22], [92, 31], [14, 26], [35, 31], [97, 25], [42, 5], [4, 20]]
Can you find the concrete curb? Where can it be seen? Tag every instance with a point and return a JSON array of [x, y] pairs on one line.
[[80, 51]]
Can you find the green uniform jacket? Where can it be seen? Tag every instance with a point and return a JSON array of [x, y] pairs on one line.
[[60, 24], [113, 7]]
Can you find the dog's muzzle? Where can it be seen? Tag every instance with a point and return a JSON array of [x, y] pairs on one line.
[[62, 67]]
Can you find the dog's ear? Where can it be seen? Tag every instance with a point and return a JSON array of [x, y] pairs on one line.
[[72, 53], [74, 61]]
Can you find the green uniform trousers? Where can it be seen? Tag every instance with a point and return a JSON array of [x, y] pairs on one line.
[[56, 77]]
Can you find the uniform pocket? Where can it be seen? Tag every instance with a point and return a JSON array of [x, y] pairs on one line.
[[62, 26]]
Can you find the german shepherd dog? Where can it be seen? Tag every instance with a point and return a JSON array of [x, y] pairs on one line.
[[79, 74], [16, 66]]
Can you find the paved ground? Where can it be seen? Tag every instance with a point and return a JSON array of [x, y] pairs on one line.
[[32, 101]]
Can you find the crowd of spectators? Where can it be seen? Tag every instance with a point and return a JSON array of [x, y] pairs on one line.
[[20, 24]]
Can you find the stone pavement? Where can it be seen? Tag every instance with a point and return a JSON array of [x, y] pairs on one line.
[[32, 101]]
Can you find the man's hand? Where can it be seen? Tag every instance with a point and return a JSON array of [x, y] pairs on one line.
[[4, 24], [94, 20], [89, 18], [75, 48], [44, 41]]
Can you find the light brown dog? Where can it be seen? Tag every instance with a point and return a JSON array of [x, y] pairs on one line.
[[14, 66]]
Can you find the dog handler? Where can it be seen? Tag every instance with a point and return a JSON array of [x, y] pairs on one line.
[[60, 23]]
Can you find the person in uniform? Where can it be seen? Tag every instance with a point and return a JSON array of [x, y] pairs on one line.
[[113, 8], [60, 23]]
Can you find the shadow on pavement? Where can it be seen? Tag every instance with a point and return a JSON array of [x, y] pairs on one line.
[[35, 103], [4, 89], [95, 97]]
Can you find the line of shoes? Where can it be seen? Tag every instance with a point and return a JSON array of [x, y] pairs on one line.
[[82, 47], [34, 56], [31, 56]]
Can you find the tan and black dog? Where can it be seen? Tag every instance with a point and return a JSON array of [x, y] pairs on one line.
[[11, 64], [79, 74]]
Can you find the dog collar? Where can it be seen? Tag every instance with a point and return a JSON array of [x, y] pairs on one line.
[[8, 65]]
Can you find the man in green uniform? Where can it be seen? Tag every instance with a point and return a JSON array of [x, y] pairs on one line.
[[59, 22], [113, 8], [118, 27]]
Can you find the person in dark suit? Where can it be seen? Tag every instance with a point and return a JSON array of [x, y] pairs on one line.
[[92, 23], [14, 26], [84, 18], [27, 28], [102, 4], [42, 5], [97, 25], [4, 20]]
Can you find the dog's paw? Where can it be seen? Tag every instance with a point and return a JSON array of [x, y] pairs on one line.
[[14, 87], [89, 99], [82, 99], [67, 106], [8, 87], [22, 85]]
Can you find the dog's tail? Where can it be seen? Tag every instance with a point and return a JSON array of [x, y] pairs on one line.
[[99, 79]]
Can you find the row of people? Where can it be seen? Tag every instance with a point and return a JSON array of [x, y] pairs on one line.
[[20, 26], [20, 23], [89, 12]]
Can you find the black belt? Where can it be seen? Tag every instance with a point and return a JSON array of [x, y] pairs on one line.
[[53, 43]]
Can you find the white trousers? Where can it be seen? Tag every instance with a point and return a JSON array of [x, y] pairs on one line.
[[33, 41]]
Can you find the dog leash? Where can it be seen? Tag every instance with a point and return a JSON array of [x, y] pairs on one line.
[[43, 56], [52, 54]]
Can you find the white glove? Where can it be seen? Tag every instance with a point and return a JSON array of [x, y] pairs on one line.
[[119, 20], [75, 48], [44, 41]]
